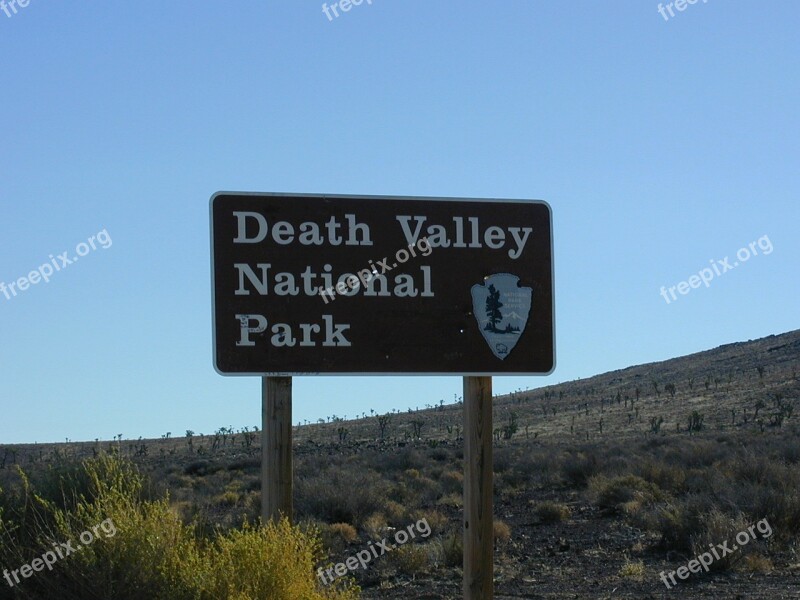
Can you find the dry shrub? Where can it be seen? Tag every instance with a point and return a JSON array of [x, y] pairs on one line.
[[552, 512], [375, 526], [666, 477], [632, 570], [767, 488], [439, 454], [337, 537], [339, 495], [677, 521], [452, 482], [452, 547], [503, 460], [578, 468], [346, 531], [436, 520], [410, 559], [228, 498], [501, 531], [395, 513], [412, 473], [451, 500], [718, 528], [423, 491], [402, 459], [757, 563], [612, 493], [542, 466]]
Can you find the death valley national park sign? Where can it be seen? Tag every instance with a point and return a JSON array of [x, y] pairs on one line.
[[316, 284]]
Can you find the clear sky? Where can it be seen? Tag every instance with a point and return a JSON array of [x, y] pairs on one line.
[[659, 143]]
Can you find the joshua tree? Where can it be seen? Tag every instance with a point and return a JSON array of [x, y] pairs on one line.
[[383, 423], [510, 429], [784, 410], [655, 424], [695, 421], [670, 387], [759, 405], [249, 438]]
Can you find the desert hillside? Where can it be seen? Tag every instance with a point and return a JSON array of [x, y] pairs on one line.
[[601, 484]]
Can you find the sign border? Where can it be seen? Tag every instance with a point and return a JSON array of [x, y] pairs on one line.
[[387, 198]]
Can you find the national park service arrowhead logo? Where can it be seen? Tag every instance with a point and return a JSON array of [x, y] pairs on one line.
[[501, 308]]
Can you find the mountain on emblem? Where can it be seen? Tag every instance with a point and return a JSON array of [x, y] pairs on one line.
[[501, 328]]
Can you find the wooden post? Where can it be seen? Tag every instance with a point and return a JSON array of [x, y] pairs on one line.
[[276, 448], [478, 490]]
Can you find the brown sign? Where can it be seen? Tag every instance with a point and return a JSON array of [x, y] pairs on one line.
[[317, 284]]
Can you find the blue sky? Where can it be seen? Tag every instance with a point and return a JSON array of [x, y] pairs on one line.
[[659, 145]]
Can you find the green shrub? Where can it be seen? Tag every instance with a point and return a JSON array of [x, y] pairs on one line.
[[151, 552]]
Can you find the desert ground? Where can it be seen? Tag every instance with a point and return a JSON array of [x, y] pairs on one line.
[[600, 484]]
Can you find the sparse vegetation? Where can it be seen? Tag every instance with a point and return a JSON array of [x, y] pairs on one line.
[[602, 457]]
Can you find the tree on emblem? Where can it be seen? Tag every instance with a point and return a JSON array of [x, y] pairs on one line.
[[493, 306]]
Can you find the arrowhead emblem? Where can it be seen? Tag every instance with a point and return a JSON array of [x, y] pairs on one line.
[[501, 308]]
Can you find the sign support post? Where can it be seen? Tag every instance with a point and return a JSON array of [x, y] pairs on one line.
[[478, 490], [276, 448]]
